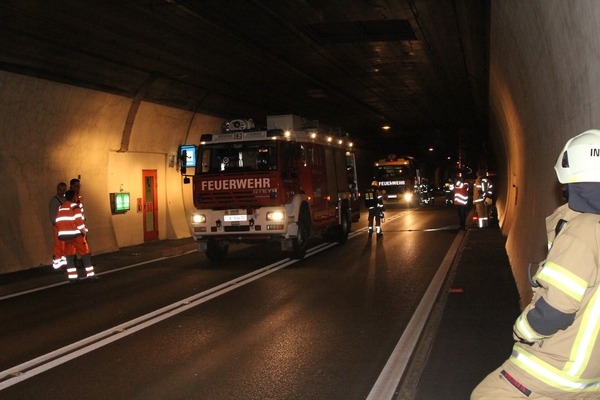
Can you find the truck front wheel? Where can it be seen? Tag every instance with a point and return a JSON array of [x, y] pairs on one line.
[[300, 242], [216, 250]]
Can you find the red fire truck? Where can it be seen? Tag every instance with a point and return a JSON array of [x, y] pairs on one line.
[[287, 183]]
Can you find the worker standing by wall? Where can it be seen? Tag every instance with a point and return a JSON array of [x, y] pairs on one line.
[[58, 259], [479, 196]]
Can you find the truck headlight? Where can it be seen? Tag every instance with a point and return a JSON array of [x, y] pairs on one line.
[[275, 216], [198, 218], [408, 196]]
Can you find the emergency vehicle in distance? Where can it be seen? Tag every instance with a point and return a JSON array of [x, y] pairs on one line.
[[286, 183], [399, 177]]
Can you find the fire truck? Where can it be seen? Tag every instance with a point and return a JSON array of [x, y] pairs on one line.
[[399, 177], [287, 183]]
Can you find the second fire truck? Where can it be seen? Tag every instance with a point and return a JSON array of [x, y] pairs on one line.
[[399, 177], [286, 183]]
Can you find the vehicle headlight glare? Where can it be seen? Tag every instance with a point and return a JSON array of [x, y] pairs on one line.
[[198, 218], [407, 196], [275, 216]]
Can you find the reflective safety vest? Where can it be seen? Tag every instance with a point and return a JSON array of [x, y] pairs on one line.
[[461, 193], [568, 361], [69, 221], [373, 198]]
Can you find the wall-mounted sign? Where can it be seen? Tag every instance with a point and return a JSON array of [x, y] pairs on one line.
[[119, 202], [190, 154]]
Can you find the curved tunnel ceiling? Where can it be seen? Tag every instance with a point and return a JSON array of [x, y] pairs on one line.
[[419, 66]]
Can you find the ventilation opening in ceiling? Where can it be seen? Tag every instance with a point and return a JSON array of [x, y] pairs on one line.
[[360, 31]]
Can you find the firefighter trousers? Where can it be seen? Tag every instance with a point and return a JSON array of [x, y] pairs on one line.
[[58, 258], [72, 247], [374, 215]]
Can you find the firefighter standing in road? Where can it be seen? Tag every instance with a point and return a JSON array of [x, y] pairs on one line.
[[58, 259], [461, 199], [374, 202], [72, 230], [557, 349], [479, 196]]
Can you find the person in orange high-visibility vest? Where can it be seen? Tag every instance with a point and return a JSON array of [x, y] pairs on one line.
[[461, 199], [556, 354], [72, 230]]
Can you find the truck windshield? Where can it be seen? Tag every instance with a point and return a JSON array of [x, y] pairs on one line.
[[394, 172], [237, 157]]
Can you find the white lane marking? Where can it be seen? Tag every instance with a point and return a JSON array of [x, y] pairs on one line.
[[48, 361], [387, 383]]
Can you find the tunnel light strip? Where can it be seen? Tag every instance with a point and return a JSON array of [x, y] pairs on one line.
[[55, 358]]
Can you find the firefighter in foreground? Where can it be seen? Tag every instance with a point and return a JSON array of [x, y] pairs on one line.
[[557, 349], [374, 202], [71, 229]]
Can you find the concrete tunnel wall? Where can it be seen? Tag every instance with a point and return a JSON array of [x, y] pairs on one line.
[[544, 89], [51, 132]]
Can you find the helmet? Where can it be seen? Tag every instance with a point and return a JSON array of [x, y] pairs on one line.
[[375, 183], [579, 161]]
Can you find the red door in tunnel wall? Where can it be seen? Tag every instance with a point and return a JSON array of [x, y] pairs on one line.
[[150, 208]]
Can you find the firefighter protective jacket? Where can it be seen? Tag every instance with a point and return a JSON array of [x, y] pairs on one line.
[[481, 190], [373, 198], [69, 220], [566, 362]]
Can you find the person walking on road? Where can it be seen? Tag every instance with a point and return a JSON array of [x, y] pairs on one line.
[[58, 259], [374, 202], [72, 230], [556, 354]]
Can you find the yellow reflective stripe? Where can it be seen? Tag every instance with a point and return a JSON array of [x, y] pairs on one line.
[[565, 280], [525, 329], [586, 338], [551, 375]]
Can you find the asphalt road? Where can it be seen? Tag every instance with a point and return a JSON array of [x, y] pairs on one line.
[[254, 327]]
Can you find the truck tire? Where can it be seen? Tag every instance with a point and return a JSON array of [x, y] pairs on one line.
[[216, 251], [300, 242]]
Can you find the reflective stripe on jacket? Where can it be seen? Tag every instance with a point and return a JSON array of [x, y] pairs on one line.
[[69, 221]]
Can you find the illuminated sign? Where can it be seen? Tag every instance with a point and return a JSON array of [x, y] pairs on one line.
[[190, 155], [120, 202], [234, 184]]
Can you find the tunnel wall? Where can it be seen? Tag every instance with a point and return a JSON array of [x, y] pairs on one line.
[[544, 89], [51, 132]]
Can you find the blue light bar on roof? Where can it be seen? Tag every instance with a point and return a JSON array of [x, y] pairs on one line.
[[207, 137]]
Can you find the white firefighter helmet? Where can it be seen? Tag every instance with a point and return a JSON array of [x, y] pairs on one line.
[[579, 161], [375, 184]]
